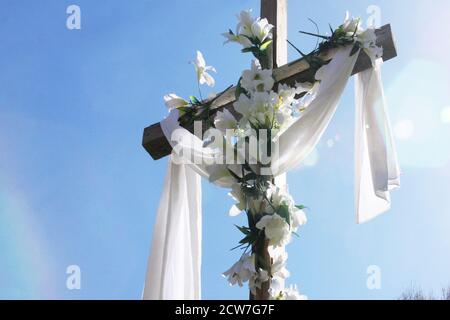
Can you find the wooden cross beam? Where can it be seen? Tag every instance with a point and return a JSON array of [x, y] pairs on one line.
[[299, 70]]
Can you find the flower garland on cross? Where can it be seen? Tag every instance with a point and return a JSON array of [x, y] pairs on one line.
[[262, 112]]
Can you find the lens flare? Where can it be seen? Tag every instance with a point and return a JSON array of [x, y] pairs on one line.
[[330, 143], [404, 130], [445, 115], [415, 99]]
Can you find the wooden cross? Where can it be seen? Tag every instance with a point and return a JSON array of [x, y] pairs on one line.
[[299, 70]]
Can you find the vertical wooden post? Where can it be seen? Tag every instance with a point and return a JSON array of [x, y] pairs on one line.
[[276, 13]]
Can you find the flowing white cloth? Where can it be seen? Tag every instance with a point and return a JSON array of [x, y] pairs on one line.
[[175, 259], [376, 166], [174, 264]]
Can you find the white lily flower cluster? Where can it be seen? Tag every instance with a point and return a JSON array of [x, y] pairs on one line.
[[281, 219], [256, 79], [261, 107], [277, 228], [366, 38], [249, 30], [244, 271]]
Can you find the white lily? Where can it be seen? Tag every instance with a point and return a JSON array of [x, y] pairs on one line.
[[225, 120], [298, 218], [242, 271], [276, 229], [256, 79], [235, 37], [172, 101], [237, 194], [283, 119], [291, 293], [278, 268], [258, 279], [279, 197], [261, 29], [257, 205], [352, 25], [201, 69], [245, 23], [249, 29], [276, 288], [243, 105], [288, 93]]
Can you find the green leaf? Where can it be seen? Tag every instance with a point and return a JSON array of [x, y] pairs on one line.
[[331, 28], [297, 49], [300, 207], [249, 239], [315, 35], [185, 109], [253, 50], [265, 45], [244, 230], [194, 100], [245, 240], [283, 211], [185, 112], [254, 41], [237, 247], [239, 90], [339, 32]]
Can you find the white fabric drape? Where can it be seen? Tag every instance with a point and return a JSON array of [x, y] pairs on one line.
[[175, 259], [300, 139], [376, 166], [174, 264]]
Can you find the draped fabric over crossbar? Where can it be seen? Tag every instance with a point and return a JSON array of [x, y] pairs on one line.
[[174, 265], [175, 258]]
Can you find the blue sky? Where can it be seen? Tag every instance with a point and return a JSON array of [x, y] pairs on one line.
[[76, 187]]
